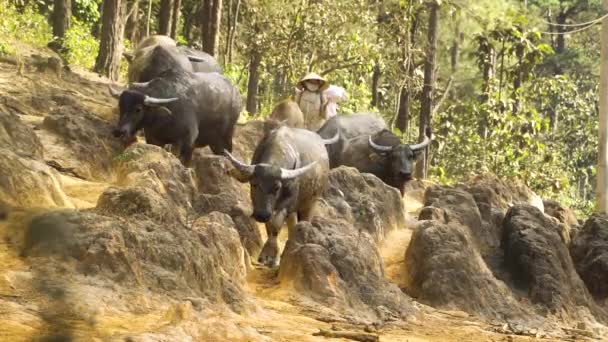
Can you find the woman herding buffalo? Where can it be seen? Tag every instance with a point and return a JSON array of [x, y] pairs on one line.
[[317, 100]]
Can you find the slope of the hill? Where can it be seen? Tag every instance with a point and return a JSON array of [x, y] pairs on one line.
[[106, 243]]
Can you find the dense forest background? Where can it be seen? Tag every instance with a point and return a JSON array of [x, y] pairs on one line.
[[508, 86]]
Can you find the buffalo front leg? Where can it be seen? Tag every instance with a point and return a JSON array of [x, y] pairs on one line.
[[269, 255]]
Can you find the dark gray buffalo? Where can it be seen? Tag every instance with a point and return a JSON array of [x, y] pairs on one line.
[[186, 110], [288, 172], [201, 61], [350, 126], [157, 55], [384, 156]]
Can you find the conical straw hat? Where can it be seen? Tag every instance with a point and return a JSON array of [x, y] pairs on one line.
[[312, 76]]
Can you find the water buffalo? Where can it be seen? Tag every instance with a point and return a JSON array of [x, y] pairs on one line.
[[186, 110], [350, 126], [201, 61], [383, 155], [289, 113], [288, 172], [157, 55]]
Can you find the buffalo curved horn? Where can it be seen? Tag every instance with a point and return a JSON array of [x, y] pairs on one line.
[[421, 145], [245, 169], [195, 59], [141, 84], [151, 101], [291, 174], [380, 148], [333, 139], [115, 93]]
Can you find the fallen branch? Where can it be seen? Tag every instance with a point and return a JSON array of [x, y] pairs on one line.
[[351, 335]]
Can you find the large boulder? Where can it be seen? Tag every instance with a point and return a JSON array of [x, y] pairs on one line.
[[81, 142], [445, 269], [536, 255], [589, 250], [363, 200], [18, 137], [332, 263], [30, 183], [205, 260]]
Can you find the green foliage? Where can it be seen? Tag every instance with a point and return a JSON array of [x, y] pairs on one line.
[[27, 26], [81, 46]]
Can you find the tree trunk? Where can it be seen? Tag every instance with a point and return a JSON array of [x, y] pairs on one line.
[[403, 115], [132, 30], [165, 14], [252, 83], [61, 17], [210, 25], [111, 42], [177, 4], [233, 30], [517, 81], [426, 103], [375, 85], [455, 49], [149, 18], [602, 175], [405, 95]]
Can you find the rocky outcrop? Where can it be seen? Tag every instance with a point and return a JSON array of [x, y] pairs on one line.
[[218, 191], [364, 201], [154, 168], [501, 193], [445, 269], [536, 255], [81, 142], [335, 265], [562, 214], [136, 203], [18, 137], [205, 260], [589, 250], [29, 183]]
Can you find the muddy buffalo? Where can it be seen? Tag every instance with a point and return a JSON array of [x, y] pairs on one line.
[[158, 55], [383, 155], [289, 113], [350, 126], [288, 172], [186, 110]]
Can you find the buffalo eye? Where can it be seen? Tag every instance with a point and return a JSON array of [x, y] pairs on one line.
[[276, 187]]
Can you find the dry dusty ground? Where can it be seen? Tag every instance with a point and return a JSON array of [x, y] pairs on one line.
[[106, 313]]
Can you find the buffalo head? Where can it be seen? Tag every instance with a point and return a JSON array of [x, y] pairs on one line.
[[267, 182], [133, 105], [400, 158]]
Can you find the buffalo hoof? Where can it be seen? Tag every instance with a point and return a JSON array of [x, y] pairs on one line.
[[270, 254]]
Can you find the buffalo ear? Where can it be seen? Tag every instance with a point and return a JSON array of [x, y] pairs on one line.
[[129, 56], [417, 153]]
